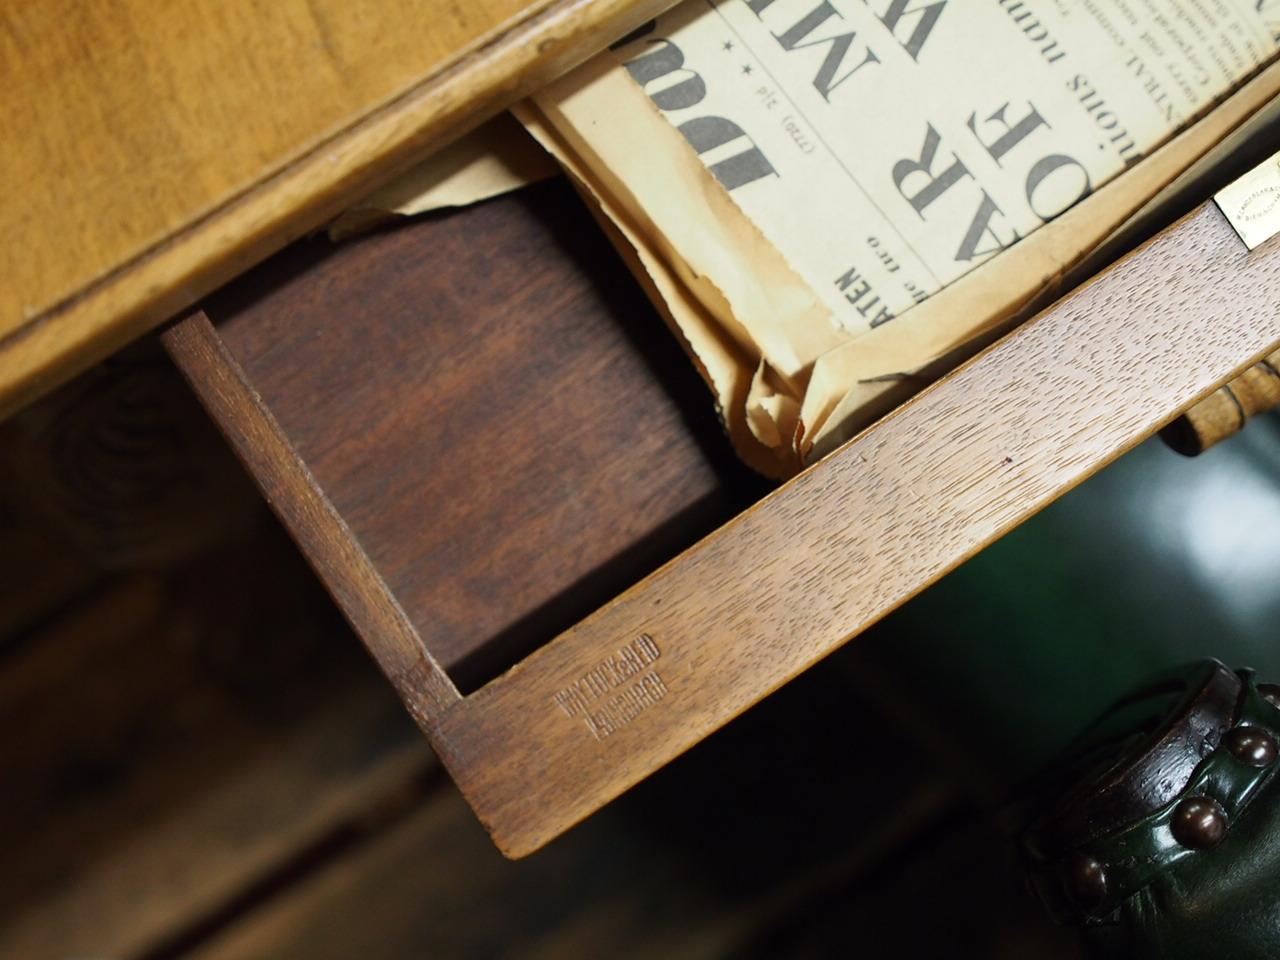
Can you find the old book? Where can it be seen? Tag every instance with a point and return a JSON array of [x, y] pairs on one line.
[[833, 201]]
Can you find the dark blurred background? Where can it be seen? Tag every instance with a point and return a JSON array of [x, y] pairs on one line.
[[199, 760]]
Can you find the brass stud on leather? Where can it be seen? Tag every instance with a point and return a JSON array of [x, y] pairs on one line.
[[1086, 881], [1270, 692], [1199, 823], [1251, 745]]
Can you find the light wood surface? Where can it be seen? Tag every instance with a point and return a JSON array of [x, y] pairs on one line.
[[154, 150], [746, 609]]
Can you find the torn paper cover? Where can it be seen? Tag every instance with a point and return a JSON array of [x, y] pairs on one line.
[[495, 158]]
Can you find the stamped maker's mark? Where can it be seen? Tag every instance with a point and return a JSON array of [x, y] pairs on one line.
[[1259, 205], [1252, 203], [616, 690]]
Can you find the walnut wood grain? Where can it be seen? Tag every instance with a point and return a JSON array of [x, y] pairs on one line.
[[154, 150], [178, 735], [289, 486], [864, 530], [488, 406], [334, 383]]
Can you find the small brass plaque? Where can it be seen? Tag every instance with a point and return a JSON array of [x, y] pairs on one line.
[[1252, 203]]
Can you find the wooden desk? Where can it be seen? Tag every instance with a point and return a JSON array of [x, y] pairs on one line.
[[155, 150], [428, 519]]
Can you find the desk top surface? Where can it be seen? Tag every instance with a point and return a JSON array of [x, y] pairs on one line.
[[154, 150]]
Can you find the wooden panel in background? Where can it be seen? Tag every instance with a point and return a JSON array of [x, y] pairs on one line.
[[183, 714], [112, 472], [154, 150], [763, 844], [173, 738], [38, 571]]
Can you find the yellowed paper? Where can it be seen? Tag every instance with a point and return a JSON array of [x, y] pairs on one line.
[[768, 306], [493, 159], [808, 176], [862, 380], [887, 149]]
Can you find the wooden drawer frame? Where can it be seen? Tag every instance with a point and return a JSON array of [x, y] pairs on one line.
[[725, 623]]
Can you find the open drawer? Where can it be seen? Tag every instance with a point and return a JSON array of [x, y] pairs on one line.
[[479, 432]]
